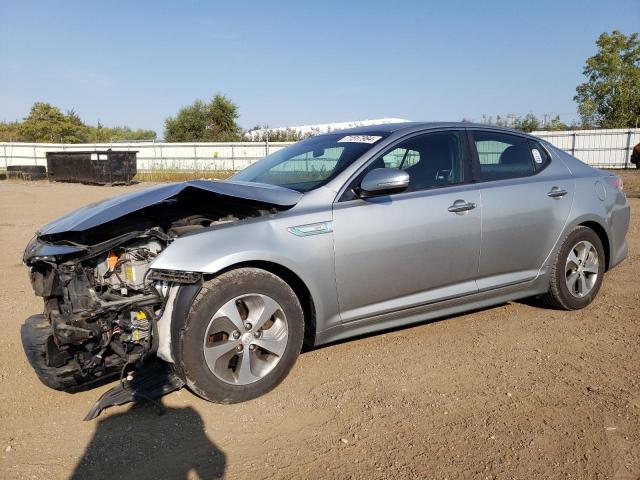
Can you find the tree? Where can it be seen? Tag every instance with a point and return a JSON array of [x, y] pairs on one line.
[[223, 114], [610, 98], [190, 125], [101, 133], [10, 132], [501, 122], [528, 123], [555, 124], [205, 122], [46, 123]]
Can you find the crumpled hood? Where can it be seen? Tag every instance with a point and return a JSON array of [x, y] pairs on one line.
[[105, 211]]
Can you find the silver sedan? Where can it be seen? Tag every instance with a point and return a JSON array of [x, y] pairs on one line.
[[337, 235]]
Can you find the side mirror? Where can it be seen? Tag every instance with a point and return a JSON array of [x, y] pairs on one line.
[[382, 181]]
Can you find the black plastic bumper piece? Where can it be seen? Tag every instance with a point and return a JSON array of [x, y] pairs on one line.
[[35, 333], [154, 380], [55, 368]]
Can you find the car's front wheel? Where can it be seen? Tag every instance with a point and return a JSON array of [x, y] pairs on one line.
[[241, 337], [576, 275]]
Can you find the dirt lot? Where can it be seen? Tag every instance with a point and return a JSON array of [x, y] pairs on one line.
[[514, 391]]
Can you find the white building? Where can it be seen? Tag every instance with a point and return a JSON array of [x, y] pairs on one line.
[[323, 127]]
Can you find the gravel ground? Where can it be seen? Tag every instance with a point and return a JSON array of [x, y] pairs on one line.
[[513, 391]]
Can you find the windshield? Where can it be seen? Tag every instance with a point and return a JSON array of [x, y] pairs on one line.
[[310, 163]]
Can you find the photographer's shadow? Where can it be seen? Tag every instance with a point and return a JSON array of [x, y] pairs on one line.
[[141, 444]]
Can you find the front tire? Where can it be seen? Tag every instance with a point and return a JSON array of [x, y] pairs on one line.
[[242, 335], [577, 272]]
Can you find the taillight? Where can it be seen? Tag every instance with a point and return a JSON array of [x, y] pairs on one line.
[[616, 181]]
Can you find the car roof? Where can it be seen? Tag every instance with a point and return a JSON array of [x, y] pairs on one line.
[[416, 126]]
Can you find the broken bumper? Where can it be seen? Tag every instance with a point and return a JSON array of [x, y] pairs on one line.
[[154, 380]]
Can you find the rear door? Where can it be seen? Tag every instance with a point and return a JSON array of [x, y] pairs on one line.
[[411, 248], [526, 199]]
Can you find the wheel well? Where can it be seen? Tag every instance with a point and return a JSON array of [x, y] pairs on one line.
[[602, 234], [298, 287]]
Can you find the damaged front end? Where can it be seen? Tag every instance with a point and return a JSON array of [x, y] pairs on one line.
[[102, 301]]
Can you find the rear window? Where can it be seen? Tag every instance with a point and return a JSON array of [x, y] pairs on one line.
[[504, 156]]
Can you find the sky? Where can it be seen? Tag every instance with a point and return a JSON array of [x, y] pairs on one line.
[[300, 62]]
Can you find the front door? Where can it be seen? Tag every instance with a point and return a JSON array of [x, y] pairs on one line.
[[412, 248]]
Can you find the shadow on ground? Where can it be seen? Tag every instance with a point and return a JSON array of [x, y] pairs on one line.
[[142, 444]]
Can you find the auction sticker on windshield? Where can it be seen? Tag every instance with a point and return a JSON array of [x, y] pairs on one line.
[[360, 139]]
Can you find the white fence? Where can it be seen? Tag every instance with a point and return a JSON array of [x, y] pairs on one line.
[[600, 148], [152, 155]]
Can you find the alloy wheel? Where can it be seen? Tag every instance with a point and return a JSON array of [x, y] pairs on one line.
[[581, 268], [245, 339]]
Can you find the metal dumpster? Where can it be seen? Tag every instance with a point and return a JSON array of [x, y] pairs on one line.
[[102, 167]]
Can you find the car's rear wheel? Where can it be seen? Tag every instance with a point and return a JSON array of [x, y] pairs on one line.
[[241, 337], [576, 275]]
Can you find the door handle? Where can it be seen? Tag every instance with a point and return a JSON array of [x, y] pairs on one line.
[[460, 206], [557, 192]]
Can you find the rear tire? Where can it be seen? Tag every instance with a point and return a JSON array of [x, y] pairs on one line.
[[577, 271], [242, 335]]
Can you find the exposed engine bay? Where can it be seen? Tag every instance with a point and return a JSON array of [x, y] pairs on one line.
[[101, 309], [102, 301]]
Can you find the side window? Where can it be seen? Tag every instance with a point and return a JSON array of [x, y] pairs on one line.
[[504, 156], [431, 160], [401, 158]]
